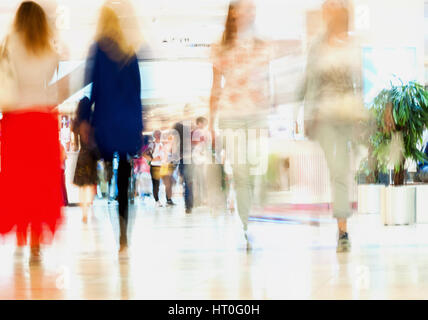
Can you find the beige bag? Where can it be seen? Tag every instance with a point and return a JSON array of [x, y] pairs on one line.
[[348, 107]]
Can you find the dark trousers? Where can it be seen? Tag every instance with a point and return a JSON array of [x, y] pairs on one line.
[[186, 173], [154, 172], [123, 175]]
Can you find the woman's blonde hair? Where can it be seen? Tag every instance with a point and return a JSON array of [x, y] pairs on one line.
[[32, 25], [110, 27]]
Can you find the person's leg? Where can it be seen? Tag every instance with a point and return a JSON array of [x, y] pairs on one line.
[[340, 176], [188, 186], [123, 175], [21, 237], [204, 185], [90, 193], [168, 187], [155, 182], [238, 158], [82, 199], [35, 243], [216, 200], [108, 176], [196, 192], [242, 185], [86, 197], [341, 202], [334, 142], [342, 225], [198, 189], [64, 188]]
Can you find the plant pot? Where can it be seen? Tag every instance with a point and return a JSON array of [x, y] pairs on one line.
[[369, 198], [398, 205], [422, 204]]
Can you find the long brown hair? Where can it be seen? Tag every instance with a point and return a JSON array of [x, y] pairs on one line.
[[231, 29], [32, 25], [238, 9]]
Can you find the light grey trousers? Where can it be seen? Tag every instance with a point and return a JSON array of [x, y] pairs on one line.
[[335, 140], [243, 181]]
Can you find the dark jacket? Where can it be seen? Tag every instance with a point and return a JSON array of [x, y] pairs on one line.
[[116, 96]]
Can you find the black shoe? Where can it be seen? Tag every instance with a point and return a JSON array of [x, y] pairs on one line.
[[249, 241], [343, 243], [170, 203]]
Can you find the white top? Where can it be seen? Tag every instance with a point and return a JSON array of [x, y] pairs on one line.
[[33, 74], [200, 150], [333, 82], [158, 151], [245, 84]]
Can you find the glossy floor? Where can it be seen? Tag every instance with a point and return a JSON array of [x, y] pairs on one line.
[[201, 256]]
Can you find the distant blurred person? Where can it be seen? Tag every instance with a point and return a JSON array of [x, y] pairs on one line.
[[158, 154], [167, 170], [142, 169], [116, 94], [200, 150], [185, 166], [85, 175], [31, 115], [333, 104], [241, 104]]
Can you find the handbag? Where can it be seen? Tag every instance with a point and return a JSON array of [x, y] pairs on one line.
[[8, 83], [165, 170]]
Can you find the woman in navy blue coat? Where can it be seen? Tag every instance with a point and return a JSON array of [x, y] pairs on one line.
[[116, 117]]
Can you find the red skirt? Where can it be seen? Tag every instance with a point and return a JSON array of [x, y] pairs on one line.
[[30, 176]]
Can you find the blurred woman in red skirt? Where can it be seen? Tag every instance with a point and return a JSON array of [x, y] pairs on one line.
[[30, 148]]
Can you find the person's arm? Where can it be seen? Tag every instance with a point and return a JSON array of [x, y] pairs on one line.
[[85, 112], [58, 91], [303, 91], [91, 71], [215, 95], [137, 82], [216, 85]]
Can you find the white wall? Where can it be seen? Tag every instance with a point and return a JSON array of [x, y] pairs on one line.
[[394, 24]]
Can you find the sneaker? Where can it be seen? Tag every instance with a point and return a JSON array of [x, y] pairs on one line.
[[343, 243], [248, 241], [159, 205], [169, 203]]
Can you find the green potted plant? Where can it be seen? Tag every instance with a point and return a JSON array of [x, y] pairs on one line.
[[401, 114]]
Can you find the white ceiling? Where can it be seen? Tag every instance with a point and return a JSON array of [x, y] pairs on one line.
[[202, 21]]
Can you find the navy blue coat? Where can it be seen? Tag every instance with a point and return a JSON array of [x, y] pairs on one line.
[[116, 97]]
